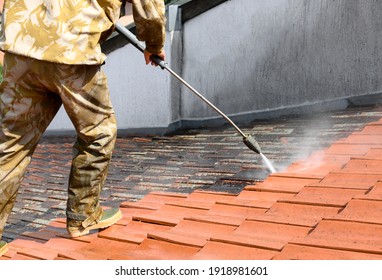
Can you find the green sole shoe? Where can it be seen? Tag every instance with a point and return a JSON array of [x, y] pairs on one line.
[[3, 248], [109, 217]]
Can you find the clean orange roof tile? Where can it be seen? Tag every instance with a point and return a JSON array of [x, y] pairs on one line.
[[141, 228], [23, 257], [300, 252], [324, 196], [266, 235], [160, 250], [119, 233], [180, 210], [162, 197], [212, 197], [202, 205], [261, 242], [320, 157], [262, 199], [168, 215], [259, 204], [345, 235], [317, 169], [79, 255], [146, 205], [319, 164], [229, 210], [97, 249], [370, 139], [40, 253], [219, 219], [21, 243], [372, 129], [283, 183], [348, 180], [272, 230], [374, 153], [374, 194], [181, 238], [364, 166], [202, 229], [159, 219], [296, 214], [348, 149], [368, 211], [130, 212], [59, 243], [223, 251], [9, 254]]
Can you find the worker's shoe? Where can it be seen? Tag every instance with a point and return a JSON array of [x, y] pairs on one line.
[[3, 248], [108, 218]]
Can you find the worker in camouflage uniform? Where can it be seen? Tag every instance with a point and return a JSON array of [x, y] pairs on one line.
[[52, 58]]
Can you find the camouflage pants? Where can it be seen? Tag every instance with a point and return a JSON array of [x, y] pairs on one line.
[[30, 96]]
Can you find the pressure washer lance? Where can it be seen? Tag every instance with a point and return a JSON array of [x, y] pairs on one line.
[[248, 140]]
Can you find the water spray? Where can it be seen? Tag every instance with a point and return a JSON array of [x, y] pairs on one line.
[[248, 139]]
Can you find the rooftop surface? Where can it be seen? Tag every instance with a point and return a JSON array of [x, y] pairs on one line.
[[202, 194]]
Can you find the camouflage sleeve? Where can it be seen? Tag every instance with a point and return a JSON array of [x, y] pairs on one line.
[[112, 10], [149, 18]]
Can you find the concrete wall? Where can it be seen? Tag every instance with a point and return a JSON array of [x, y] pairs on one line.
[[253, 59], [252, 56]]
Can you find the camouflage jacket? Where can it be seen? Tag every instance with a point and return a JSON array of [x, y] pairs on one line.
[[71, 31]]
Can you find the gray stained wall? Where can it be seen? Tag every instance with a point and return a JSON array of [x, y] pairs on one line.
[[256, 56]]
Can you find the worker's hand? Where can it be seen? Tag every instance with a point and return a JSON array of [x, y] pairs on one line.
[[147, 55]]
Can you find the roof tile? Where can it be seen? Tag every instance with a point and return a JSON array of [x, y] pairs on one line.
[[280, 183], [348, 180], [119, 233], [324, 196], [159, 250], [40, 253], [348, 149], [97, 249], [180, 238], [202, 229], [274, 230], [360, 138], [261, 242], [363, 166], [230, 210], [222, 251], [296, 214], [368, 211], [374, 153], [345, 235], [220, 219], [300, 252], [375, 192]]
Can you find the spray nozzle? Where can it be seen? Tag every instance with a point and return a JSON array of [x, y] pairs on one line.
[[251, 143]]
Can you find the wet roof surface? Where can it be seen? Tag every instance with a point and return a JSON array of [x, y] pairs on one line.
[[202, 194]]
